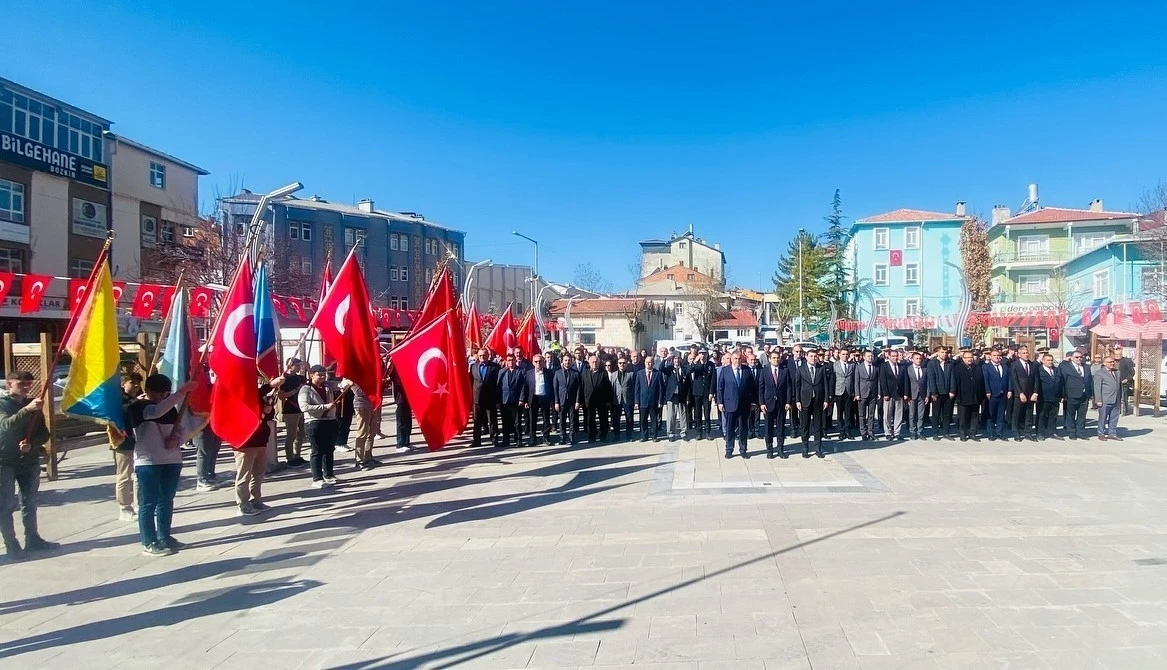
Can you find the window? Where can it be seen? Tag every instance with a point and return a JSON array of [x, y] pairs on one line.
[[300, 230], [690, 277], [157, 175], [670, 276], [911, 307], [305, 266], [912, 237], [911, 274], [393, 273], [880, 276], [80, 267], [586, 337], [187, 231], [454, 250], [404, 242], [393, 242], [404, 274], [404, 302], [1032, 284], [678, 309], [240, 228], [1102, 284], [681, 245], [882, 238], [11, 201], [393, 302], [41, 122], [354, 237], [881, 308], [11, 260], [1086, 242], [166, 232], [742, 332], [1032, 246]]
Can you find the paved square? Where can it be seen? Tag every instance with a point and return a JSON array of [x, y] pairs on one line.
[[642, 555]]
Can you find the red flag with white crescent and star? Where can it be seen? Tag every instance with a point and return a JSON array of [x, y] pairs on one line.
[[326, 357], [528, 336], [201, 301], [5, 284], [431, 366], [235, 410], [473, 328], [345, 324], [440, 298], [896, 258], [77, 292], [33, 288], [502, 339], [145, 300]]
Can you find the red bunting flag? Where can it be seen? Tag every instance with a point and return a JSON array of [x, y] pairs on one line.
[[5, 284], [297, 306], [235, 411], [431, 365], [33, 289], [167, 299], [145, 300], [77, 292], [281, 308], [345, 323], [119, 287], [201, 301]]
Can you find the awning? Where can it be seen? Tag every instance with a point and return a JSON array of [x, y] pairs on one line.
[[1126, 329], [1090, 315]]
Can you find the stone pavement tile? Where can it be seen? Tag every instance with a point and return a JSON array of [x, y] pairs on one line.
[[616, 651], [738, 664], [1122, 659], [1002, 639], [788, 646], [249, 659], [668, 665], [787, 664], [684, 649], [564, 653], [1055, 638], [337, 636], [673, 626], [865, 642], [1087, 596], [917, 661]]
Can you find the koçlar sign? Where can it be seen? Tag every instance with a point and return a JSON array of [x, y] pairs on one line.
[[54, 161]]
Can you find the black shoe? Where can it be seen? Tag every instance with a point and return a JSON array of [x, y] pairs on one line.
[[728, 455], [770, 454], [963, 438], [38, 543], [806, 454], [745, 454], [1018, 439], [14, 552], [783, 454], [644, 439], [820, 454]]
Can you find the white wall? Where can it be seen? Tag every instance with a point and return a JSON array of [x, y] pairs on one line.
[[127, 241], [50, 214], [131, 178]]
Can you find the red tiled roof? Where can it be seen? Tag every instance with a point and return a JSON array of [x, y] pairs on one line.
[[738, 319], [599, 306], [1156, 219], [680, 275], [1062, 215], [909, 215]]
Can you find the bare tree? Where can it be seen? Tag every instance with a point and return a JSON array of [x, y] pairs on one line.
[[704, 307], [589, 278], [1152, 239], [1062, 296]]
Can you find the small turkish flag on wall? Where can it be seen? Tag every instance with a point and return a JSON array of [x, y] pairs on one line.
[[32, 290], [897, 258]]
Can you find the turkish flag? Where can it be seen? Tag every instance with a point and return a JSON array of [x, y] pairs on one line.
[[297, 306], [5, 284], [385, 317], [167, 299], [33, 288], [502, 339], [431, 365], [119, 287], [348, 332], [528, 336], [235, 411], [896, 258], [201, 299], [76, 292], [440, 298], [145, 300], [474, 329], [278, 303], [326, 356]]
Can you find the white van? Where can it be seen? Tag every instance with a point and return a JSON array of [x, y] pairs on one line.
[[893, 342]]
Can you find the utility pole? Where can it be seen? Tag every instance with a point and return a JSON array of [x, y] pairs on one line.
[[801, 315]]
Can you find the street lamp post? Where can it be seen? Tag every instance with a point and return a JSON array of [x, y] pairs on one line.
[[467, 300], [255, 230], [534, 277], [801, 315]]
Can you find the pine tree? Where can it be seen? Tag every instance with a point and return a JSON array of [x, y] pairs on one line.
[[835, 240], [815, 276]]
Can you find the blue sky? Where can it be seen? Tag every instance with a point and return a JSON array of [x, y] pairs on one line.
[[592, 126]]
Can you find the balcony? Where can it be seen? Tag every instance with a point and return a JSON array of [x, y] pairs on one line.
[[1029, 258], [1021, 298]]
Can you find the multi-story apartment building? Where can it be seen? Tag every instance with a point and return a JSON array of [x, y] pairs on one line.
[[687, 250]]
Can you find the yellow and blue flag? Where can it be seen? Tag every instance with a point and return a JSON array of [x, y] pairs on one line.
[[93, 389]]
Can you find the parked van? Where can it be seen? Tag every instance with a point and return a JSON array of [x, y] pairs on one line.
[[892, 342]]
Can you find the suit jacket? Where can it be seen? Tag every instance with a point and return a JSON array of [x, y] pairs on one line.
[[866, 386], [1049, 388], [774, 393], [485, 390], [889, 381], [1107, 387], [649, 391], [1076, 387], [996, 385], [624, 388], [915, 388], [967, 382], [808, 391], [676, 383], [512, 388], [844, 371], [1021, 381], [940, 377], [566, 385], [548, 382], [701, 379], [736, 395], [595, 389]]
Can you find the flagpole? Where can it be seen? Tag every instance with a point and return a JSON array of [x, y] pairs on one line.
[[165, 326], [312, 322]]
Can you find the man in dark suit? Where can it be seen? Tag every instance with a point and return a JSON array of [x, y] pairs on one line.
[[1126, 377], [649, 395], [1049, 392], [968, 388], [941, 393], [736, 391], [1023, 385], [914, 382], [701, 383], [596, 396], [484, 384], [997, 391], [539, 391], [1077, 386], [811, 396], [865, 391], [842, 380], [512, 395], [623, 397], [774, 391], [565, 395], [893, 393]]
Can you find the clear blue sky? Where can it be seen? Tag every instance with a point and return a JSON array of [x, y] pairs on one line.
[[592, 126]]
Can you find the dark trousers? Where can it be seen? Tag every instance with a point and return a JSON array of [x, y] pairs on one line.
[[811, 420], [995, 423], [736, 427], [1047, 417], [344, 424], [649, 421], [1074, 423], [622, 411], [26, 479], [843, 414], [702, 416], [596, 421], [868, 411], [322, 437], [539, 412], [485, 420], [568, 424], [157, 485], [207, 445], [510, 424], [942, 415], [1023, 416], [776, 427], [404, 420], [966, 417]]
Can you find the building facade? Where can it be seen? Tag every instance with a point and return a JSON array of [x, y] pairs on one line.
[[687, 250], [694, 299], [632, 323], [907, 264], [494, 286]]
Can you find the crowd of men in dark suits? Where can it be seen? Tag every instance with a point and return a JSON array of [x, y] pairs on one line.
[[995, 393]]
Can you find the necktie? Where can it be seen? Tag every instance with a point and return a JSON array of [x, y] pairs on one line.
[[775, 376], [1026, 367], [917, 374], [811, 373], [737, 375], [998, 367], [1078, 369], [868, 369]]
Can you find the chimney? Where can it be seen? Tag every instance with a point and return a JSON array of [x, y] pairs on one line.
[[365, 205], [1096, 205], [960, 208], [1000, 213], [717, 246]]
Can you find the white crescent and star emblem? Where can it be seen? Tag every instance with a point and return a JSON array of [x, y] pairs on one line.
[[147, 298], [201, 299], [426, 356], [234, 320], [38, 287], [117, 293], [508, 338], [338, 319]]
